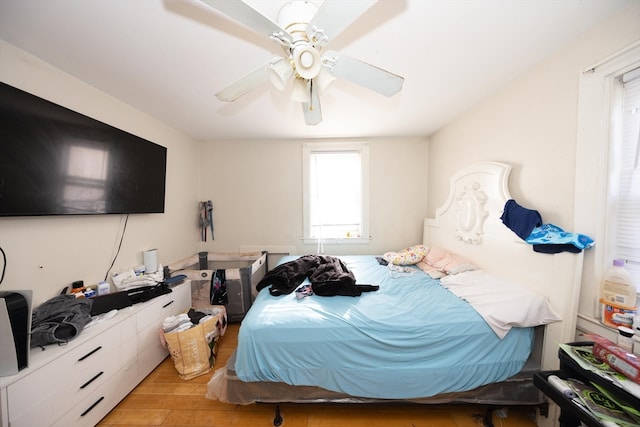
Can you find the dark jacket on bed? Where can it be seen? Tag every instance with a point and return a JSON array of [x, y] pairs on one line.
[[328, 276]]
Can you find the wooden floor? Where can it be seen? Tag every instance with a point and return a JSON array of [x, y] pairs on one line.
[[163, 399]]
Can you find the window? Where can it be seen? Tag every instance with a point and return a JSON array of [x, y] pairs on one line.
[[335, 192], [624, 172], [607, 203]]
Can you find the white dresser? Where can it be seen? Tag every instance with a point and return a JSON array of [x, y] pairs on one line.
[[77, 384]]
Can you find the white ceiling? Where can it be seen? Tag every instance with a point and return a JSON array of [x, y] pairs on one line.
[[168, 58]]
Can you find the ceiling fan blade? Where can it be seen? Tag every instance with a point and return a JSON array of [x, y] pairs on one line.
[[363, 74], [247, 15], [245, 84], [311, 110], [334, 16]]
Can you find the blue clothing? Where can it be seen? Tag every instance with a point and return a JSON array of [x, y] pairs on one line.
[[552, 234], [545, 238], [520, 220]]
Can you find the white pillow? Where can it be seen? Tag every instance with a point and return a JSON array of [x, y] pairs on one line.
[[439, 262], [502, 303]]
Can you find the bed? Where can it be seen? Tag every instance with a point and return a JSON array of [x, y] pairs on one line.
[[416, 338]]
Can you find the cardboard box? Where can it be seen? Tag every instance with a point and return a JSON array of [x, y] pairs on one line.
[[615, 315], [623, 361]]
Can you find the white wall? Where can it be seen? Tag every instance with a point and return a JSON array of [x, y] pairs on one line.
[[532, 124], [256, 187], [47, 253]]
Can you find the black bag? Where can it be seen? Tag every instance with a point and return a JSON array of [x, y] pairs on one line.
[[218, 292]]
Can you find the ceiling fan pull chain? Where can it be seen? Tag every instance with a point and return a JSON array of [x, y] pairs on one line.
[[311, 94]]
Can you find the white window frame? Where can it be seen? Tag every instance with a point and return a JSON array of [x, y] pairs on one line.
[[624, 172], [592, 212], [312, 147]]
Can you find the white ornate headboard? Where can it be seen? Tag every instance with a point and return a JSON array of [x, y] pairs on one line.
[[469, 223]]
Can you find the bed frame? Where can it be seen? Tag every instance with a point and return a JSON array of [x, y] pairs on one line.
[[469, 224]]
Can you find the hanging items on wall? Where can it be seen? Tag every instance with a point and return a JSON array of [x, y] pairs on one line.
[[206, 219]]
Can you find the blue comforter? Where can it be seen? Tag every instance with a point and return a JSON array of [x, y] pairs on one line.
[[411, 338]]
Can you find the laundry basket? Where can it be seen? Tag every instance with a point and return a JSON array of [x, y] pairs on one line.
[[194, 350]]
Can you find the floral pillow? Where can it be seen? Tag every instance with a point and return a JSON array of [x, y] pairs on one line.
[[407, 256]]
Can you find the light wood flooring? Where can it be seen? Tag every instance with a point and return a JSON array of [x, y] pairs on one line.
[[163, 399]]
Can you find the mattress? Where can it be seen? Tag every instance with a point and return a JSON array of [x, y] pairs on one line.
[[410, 339]]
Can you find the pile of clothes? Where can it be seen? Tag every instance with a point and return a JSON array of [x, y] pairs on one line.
[[184, 321], [328, 275], [545, 238], [59, 320]]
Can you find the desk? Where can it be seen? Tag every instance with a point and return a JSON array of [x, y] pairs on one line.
[[572, 413]]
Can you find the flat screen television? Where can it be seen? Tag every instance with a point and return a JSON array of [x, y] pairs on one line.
[[55, 161]]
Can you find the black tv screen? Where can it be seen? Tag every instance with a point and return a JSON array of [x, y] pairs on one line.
[[55, 161]]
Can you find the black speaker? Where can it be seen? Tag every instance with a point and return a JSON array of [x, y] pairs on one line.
[[15, 325]]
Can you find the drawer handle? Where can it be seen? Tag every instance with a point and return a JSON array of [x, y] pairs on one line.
[[89, 354], [92, 406], [91, 380], [167, 304]]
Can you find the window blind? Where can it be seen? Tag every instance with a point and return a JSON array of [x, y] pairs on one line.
[[628, 167]]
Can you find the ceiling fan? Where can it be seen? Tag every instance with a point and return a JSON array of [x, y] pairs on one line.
[[303, 29]]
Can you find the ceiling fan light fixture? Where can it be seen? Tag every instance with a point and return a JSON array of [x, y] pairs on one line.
[[279, 73], [303, 29], [323, 80], [306, 61]]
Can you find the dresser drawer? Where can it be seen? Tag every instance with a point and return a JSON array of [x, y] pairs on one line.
[[150, 350], [38, 415], [50, 379], [79, 389], [156, 311], [178, 301], [100, 401], [83, 383]]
